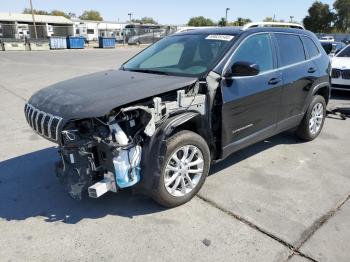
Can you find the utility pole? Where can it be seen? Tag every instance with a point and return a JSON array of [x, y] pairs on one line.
[[31, 8], [227, 9], [130, 15]]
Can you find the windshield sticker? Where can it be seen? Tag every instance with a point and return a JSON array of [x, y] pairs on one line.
[[220, 37]]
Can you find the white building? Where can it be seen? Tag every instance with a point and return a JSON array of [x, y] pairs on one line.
[[91, 30]]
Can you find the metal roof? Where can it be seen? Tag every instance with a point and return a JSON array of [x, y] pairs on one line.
[[98, 22], [50, 19]]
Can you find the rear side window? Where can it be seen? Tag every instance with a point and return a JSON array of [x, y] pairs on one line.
[[290, 48], [310, 47], [256, 49]]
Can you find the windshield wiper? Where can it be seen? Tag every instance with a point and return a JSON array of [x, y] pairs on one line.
[[148, 71]]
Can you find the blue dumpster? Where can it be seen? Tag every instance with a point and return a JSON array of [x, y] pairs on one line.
[[57, 42], [106, 42], [75, 42]]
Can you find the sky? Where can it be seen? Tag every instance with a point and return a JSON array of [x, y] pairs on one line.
[[173, 12]]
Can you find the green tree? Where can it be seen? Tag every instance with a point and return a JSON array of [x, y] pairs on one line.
[[240, 21], [60, 13], [42, 12], [342, 22], [222, 22], [91, 15], [200, 21], [320, 18], [35, 11], [145, 20]]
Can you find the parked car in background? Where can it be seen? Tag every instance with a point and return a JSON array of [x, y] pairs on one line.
[[341, 70], [189, 100], [332, 48], [327, 39]]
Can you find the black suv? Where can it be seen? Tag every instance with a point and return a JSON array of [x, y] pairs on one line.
[[187, 101]]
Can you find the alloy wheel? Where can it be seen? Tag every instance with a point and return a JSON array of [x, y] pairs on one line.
[[316, 119], [184, 170]]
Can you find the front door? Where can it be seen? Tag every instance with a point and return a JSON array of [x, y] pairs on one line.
[[250, 104]]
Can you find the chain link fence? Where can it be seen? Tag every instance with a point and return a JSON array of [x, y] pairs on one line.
[[130, 35], [144, 34]]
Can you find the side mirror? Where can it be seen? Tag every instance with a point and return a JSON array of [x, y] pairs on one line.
[[243, 69]]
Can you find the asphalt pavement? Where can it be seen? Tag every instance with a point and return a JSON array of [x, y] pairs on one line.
[[279, 200]]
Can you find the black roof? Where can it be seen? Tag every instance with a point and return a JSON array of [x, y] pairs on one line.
[[232, 30]]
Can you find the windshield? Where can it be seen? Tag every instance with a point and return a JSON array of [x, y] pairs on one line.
[[186, 55], [345, 52]]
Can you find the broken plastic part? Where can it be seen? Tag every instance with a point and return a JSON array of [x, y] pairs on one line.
[[150, 127], [102, 187], [118, 134]]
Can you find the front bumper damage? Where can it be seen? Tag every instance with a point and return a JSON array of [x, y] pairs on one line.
[[105, 154]]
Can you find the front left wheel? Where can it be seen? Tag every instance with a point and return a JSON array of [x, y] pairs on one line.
[[184, 169]]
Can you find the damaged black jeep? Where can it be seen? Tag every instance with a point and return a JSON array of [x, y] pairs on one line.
[[187, 101]]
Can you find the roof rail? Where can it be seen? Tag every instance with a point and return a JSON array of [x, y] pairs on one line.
[[272, 24]]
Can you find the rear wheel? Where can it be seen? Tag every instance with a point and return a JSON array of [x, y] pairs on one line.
[[184, 169], [313, 122]]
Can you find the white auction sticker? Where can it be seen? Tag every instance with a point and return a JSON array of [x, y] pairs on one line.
[[220, 37]]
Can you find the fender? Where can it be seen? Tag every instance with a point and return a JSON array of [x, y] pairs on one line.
[[154, 150], [314, 90]]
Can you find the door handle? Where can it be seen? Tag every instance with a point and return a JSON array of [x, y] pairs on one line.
[[274, 81], [312, 70]]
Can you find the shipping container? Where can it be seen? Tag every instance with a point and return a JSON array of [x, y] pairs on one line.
[[57, 42], [106, 42], [75, 42]]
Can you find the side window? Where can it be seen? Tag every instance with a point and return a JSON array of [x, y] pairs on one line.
[[256, 49], [310, 47], [290, 48]]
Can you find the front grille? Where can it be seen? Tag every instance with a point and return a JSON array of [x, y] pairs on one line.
[[45, 124], [336, 73], [345, 74]]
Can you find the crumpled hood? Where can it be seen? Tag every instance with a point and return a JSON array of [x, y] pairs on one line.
[[96, 94], [341, 63]]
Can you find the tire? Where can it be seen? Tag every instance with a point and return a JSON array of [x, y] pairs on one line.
[[306, 130], [179, 172]]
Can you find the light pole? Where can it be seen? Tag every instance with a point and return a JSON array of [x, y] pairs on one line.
[[291, 18], [31, 8], [227, 9], [130, 15]]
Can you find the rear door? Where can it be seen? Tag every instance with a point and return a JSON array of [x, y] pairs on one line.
[[298, 74], [250, 104]]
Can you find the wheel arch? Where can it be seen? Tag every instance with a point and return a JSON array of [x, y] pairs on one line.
[[324, 90], [155, 146]]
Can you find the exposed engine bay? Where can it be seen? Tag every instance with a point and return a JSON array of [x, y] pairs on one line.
[[103, 154]]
